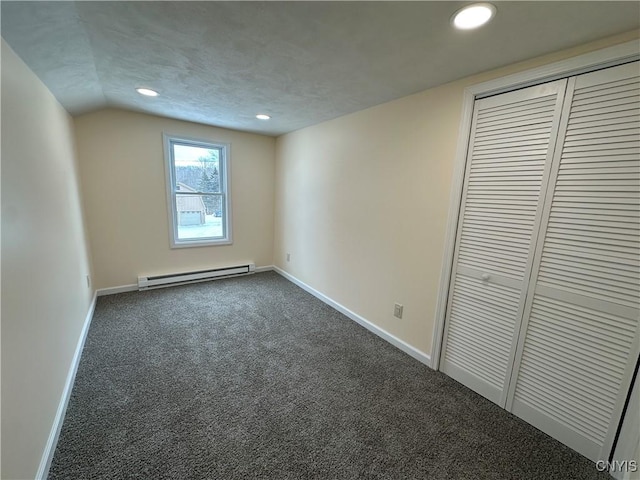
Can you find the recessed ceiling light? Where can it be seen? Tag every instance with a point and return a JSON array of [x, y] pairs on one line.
[[473, 16], [147, 92], [262, 116]]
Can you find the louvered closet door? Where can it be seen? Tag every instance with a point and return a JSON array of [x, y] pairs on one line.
[[507, 166], [581, 319]]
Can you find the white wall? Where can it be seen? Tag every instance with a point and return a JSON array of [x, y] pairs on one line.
[[362, 202], [45, 298], [123, 181]]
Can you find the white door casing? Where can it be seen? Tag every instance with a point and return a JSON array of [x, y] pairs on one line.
[[569, 317]]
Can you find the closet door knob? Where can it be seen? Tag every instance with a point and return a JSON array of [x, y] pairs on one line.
[[485, 277]]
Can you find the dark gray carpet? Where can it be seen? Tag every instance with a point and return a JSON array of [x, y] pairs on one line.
[[254, 378]]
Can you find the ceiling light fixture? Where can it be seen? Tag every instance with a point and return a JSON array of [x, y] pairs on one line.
[[147, 92], [262, 116], [473, 16]]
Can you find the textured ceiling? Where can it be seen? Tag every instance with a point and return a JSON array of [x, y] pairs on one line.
[[220, 63]]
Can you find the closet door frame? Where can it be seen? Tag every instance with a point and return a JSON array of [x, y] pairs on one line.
[[599, 59]]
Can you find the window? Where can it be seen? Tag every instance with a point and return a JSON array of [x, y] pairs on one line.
[[197, 192]]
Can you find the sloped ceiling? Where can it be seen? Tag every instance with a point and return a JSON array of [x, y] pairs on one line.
[[220, 63]]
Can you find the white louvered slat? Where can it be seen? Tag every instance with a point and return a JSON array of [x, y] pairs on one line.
[[481, 315], [603, 118], [521, 132], [588, 114], [593, 187], [531, 116], [588, 221], [624, 130], [506, 168], [515, 108], [605, 269], [506, 139], [603, 125], [586, 162], [580, 327], [556, 378], [577, 253], [613, 93], [514, 159], [590, 365], [627, 81], [605, 102]]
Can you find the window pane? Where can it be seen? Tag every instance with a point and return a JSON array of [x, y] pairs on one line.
[[197, 169], [197, 188], [193, 218]]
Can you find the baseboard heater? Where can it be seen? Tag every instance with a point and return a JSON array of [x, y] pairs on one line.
[[170, 280]]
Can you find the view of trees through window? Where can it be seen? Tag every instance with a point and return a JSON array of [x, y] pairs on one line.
[[200, 207]]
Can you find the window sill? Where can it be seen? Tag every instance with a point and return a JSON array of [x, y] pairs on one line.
[[204, 243]]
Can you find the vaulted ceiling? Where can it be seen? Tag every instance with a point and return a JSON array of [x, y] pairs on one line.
[[221, 63]]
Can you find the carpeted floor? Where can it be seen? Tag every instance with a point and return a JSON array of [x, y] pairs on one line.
[[254, 378]]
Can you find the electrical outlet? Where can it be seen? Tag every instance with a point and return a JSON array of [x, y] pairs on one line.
[[288, 257], [397, 310]]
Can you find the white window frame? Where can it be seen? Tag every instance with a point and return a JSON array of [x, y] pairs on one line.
[[225, 189]]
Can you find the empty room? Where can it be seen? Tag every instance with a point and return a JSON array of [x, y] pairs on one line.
[[320, 240]]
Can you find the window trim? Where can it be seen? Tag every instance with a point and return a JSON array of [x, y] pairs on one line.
[[225, 189]]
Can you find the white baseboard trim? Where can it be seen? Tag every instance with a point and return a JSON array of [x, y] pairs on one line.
[[101, 292], [50, 447], [393, 340], [266, 268]]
